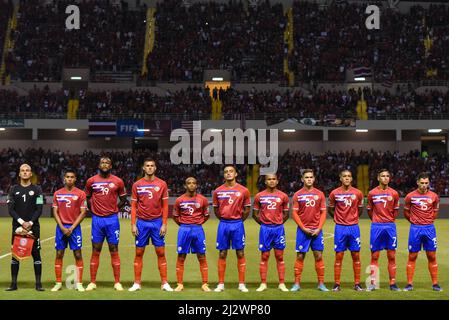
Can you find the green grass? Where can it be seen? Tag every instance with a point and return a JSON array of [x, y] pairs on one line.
[[192, 279]]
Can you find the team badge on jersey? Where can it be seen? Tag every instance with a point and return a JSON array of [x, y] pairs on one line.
[[353, 197], [315, 197], [238, 194], [75, 198], [31, 193], [111, 185], [278, 200], [429, 200], [390, 198], [157, 189], [197, 205]]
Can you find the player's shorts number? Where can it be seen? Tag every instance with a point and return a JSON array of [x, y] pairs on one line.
[[282, 240], [310, 203], [78, 239], [394, 241], [434, 242]]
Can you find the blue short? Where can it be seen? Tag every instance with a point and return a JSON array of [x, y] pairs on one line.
[[149, 229], [75, 240], [271, 236], [191, 239], [304, 241], [231, 231], [105, 227], [347, 237], [383, 236], [422, 236]]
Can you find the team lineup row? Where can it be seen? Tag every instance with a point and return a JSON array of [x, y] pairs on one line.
[[105, 193]]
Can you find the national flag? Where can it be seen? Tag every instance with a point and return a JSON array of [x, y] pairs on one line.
[[102, 128], [362, 72]]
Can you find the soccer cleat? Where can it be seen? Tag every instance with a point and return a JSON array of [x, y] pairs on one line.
[[39, 287], [336, 288], [57, 287], [295, 287], [91, 286], [79, 287], [408, 287], [436, 287], [322, 287], [282, 287], [262, 287], [394, 287], [205, 288], [243, 288], [135, 287], [179, 288], [371, 287], [358, 287], [12, 287], [220, 287], [118, 286], [166, 287]]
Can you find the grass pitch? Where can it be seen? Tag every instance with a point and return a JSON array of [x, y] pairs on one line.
[[192, 278]]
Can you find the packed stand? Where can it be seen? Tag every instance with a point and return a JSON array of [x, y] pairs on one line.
[[6, 8], [49, 167], [190, 39], [110, 38]]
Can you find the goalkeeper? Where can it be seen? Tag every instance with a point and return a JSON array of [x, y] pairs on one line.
[[25, 202]]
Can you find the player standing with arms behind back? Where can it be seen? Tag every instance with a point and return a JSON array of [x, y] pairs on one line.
[[309, 213], [421, 210], [270, 210], [383, 208], [191, 211], [149, 214], [69, 209], [232, 204], [103, 191], [346, 206]]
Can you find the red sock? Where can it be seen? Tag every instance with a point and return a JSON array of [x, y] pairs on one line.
[[221, 270], [138, 265], [263, 266], [162, 263], [115, 262], [241, 265], [299, 265], [357, 266], [58, 269], [337, 266], [432, 265], [180, 269], [280, 264], [374, 266], [204, 269], [412, 256], [319, 267], [391, 254], [79, 270], [94, 263]]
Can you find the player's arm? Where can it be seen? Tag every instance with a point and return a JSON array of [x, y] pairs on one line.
[[163, 230], [82, 215], [176, 212], [295, 215], [215, 205], [436, 207], [407, 208], [134, 198], [88, 192], [12, 206], [122, 195], [323, 215], [38, 209], [206, 211], [370, 206], [360, 207], [247, 205], [246, 211], [64, 230], [256, 208], [286, 211]]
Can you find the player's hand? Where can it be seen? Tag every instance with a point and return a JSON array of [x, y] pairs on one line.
[[316, 232], [69, 232], [308, 231], [163, 230], [27, 226], [134, 230]]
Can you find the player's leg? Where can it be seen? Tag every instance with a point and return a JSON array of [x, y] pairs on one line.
[[113, 239], [14, 264], [98, 236], [141, 241], [58, 269], [302, 247], [264, 247], [159, 245], [238, 243], [391, 255], [317, 245], [430, 246], [79, 270], [340, 247], [223, 245], [355, 246], [180, 271], [279, 246], [204, 271], [36, 254], [376, 246], [183, 245], [198, 246], [414, 246]]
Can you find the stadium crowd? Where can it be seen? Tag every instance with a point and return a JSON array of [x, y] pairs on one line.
[[49, 166], [6, 8]]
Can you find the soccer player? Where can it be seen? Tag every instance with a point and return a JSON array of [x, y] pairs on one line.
[[346, 206], [383, 208], [25, 202], [270, 210], [149, 214], [232, 204], [191, 210], [421, 210], [102, 192], [69, 209], [309, 213]]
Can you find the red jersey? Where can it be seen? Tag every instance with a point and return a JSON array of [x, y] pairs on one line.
[[271, 206], [231, 200], [309, 204], [422, 207], [149, 195], [104, 192], [191, 210], [346, 205], [383, 204], [69, 204]]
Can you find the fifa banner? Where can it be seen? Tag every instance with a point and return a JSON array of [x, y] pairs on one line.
[[22, 246], [130, 128], [158, 128]]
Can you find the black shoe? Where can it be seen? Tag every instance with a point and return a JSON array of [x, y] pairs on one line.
[[12, 287], [39, 287]]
